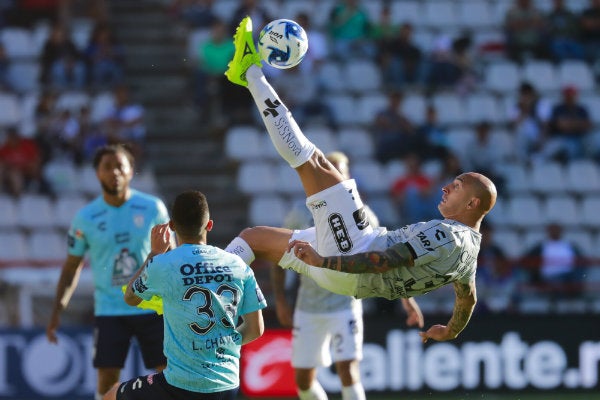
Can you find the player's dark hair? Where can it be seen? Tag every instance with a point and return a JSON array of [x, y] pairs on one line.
[[189, 213], [112, 149]]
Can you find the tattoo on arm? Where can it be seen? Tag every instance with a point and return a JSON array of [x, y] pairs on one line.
[[463, 306], [371, 262]]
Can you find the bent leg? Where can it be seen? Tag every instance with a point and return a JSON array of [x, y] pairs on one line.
[[266, 242]]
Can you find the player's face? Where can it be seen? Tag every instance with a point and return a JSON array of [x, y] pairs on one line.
[[455, 197], [114, 173]]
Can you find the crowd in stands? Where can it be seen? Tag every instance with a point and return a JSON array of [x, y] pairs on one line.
[[57, 121], [542, 126]]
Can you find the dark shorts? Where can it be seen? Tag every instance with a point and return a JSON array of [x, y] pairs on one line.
[[156, 387], [113, 334]]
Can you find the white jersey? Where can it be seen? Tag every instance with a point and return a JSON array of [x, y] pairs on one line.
[[444, 251]]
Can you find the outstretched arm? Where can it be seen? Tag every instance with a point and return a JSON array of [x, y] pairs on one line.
[[466, 298], [399, 255]]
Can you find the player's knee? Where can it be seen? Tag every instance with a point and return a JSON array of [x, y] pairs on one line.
[[348, 371]]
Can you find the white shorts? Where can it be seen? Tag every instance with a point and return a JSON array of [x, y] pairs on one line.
[[320, 338], [341, 222]]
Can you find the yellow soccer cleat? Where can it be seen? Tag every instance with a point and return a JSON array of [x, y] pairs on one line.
[[245, 54]]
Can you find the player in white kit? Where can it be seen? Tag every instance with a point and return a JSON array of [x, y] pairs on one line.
[[421, 257]]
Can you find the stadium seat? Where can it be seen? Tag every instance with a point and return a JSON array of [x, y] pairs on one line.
[[483, 107], [592, 102], [73, 101], [474, 14], [503, 142], [101, 106], [62, 176], [562, 209], [145, 181], [407, 11], [267, 210], [87, 182], [439, 14], [582, 176], [8, 212], [590, 216], [18, 44], [357, 143], [243, 142], [330, 75], [516, 176], [458, 141], [582, 239], [14, 248], [542, 75], [496, 217], [509, 240], [35, 212], [532, 237], [194, 39], [362, 76], [288, 181], [10, 110], [24, 76], [255, 177], [81, 30], [547, 177], [393, 170], [450, 109], [369, 105], [344, 109], [524, 211], [370, 177], [577, 73], [502, 77], [323, 137], [47, 248], [65, 208], [385, 210], [413, 107], [39, 35]]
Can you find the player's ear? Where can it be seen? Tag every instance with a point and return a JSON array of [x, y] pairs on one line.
[[209, 225], [474, 203]]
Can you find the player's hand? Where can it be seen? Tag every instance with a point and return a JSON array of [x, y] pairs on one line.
[[284, 314], [436, 332], [305, 252], [160, 238], [414, 316], [51, 328]]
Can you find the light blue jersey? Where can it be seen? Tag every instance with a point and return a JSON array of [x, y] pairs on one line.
[[118, 242], [204, 290]]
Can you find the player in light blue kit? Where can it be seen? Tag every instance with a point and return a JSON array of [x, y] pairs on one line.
[[204, 292], [115, 230]]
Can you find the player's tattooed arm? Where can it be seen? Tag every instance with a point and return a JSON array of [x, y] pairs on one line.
[[396, 256], [466, 298]]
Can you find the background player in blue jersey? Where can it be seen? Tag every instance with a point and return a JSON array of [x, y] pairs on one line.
[[204, 291], [115, 230]]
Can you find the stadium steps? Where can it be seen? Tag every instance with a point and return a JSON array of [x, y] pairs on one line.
[[182, 149]]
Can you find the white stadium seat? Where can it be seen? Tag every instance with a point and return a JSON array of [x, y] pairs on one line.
[[35, 212], [547, 177], [562, 209], [440, 14], [323, 137], [330, 75], [414, 107], [357, 143], [450, 108], [24, 76], [73, 101], [369, 105], [474, 14], [370, 177], [362, 76], [483, 107], [101, 106], [542, 75], [255, 177], [10, 109], [65, 209], [590, 217], [407, 11], [502, 76], [267, 210], [577, 73], [18, 43], [14, 247], [243, 142], [8, 212], [87, 181], [582, 239], [583, 176], [344, 108], [288, 181], [510, 242], [47, 248], [524, 211]]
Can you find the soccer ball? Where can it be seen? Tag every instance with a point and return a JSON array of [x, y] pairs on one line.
[[282, 43]]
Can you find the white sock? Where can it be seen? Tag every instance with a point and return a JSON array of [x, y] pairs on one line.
[[315, 392], [98, 396], [354, 392], [241, 248], [285, 133]]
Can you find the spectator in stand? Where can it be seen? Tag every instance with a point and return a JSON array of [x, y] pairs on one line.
[[45, 116], [564, 31], [453, 67], [569, 128], [415, 193], [524, 28], [213, 55], [496, 280], [401, 60], [434, 136], [555, 266], [349, 29], [125, 122], [590, 31], [528, 119], [61, 64], [198, 14], [92, 137], [20, 165], [105, 57], [256, 10], [5, 83], [395, 135]]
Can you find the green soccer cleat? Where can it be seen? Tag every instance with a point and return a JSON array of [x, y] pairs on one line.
[[245, 54]]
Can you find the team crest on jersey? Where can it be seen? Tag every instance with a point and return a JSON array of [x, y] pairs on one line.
[[360, 217], [340, 232], [138, 220]]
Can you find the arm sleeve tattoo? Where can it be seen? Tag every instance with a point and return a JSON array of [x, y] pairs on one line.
[[378, 262], [463, 307]]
